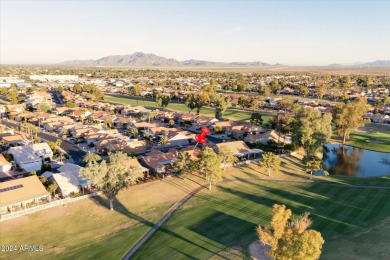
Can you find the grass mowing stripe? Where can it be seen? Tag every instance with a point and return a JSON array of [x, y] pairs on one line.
[[378, 206], [367, 196], [343, 208], [347, 214], [328, 207]]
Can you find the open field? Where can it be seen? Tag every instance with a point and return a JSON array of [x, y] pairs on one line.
[[232, 114], [371, 136], [213, 223]]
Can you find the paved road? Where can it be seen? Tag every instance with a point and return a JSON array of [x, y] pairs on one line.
[[74, 152], [56, 98]]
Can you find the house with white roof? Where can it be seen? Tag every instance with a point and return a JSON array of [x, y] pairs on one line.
[[30, 157], [68, 184]]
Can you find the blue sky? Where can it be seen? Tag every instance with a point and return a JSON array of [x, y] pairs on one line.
[[287, 32]]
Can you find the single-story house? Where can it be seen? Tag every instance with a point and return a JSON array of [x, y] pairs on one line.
[[68, 184], [158, 162], [240, 150], [21, 193], [30, 157]]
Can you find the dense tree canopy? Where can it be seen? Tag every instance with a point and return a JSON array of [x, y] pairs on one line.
[[291, 239], [311, 129], [113, 175], [348, 117]]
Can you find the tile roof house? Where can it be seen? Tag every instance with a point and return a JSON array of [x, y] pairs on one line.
[[379, 118], [157, 161], [20, 193], [240, 150], [16, 139]]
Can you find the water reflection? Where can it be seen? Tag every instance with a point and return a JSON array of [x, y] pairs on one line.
[[351, 161]]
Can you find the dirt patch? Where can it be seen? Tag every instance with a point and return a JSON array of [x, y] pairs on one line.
[[257, 251]]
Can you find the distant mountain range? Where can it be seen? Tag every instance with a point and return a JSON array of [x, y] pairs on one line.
[[377, 63], [140, 59]]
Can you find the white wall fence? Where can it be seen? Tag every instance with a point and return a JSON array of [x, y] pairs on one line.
[[54, 203]]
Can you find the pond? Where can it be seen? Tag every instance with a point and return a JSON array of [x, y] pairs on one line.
[[352, 161]]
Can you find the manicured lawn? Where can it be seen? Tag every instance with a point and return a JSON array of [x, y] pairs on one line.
[[232, 114], [213, 222], [371, 136]]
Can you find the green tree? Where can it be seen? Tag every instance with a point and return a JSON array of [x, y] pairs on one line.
[[274, 86], [133, 131], [269, 161], [320, 90], [91, 158], [243, 101], [33, 173], [164, 140], [55, 147], [221, 103], [12, 95], [209, 164], [59, 89], [46, 168], [171, 122], [348, 117], [191, 102], [303, 90], [226, 154], [312, 163], [291, 239], [52, 188], [162, 100], [112, 176], [184, 165], [135, 90], [256, 119], [70, 104], [345, 82], [77, 88], [43, 180], [311, 130], [43, 107]]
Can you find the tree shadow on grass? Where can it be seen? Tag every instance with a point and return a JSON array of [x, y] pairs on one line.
[[225, 229], [119, 207]]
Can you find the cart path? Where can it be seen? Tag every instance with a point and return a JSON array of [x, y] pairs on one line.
[[190, 194]]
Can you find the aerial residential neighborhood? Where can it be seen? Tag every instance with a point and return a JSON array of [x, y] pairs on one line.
[[246, 130]]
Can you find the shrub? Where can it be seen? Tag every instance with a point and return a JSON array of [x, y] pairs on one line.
[[52, 188], [43, 180], [46, 168]]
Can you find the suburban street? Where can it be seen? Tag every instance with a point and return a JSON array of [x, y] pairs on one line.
[[72, 150]]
